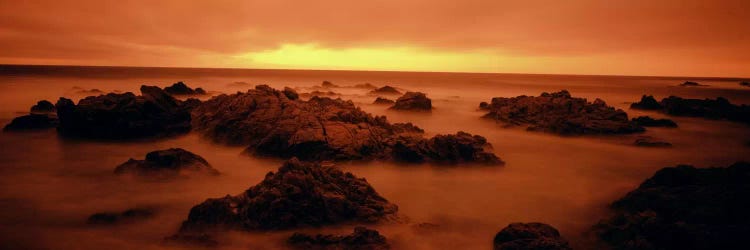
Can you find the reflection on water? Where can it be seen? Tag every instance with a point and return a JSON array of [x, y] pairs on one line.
[[49, 186]]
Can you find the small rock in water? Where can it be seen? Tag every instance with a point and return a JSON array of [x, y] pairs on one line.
[[385, 90], [648, 141], [413, 101], [691, 84], [383, 101], [181, 88], [529, 236], [168, 163], [647, 121], [31, 122], [43, 107], [130, 215], [362, 238]]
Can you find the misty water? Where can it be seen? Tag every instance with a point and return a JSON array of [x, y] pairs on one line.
[[50, 185]]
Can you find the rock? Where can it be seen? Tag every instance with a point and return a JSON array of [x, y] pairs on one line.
[[691, 84], [646, 103], [529, 236], [318, 129], [167, 163], [385, 90], [123, 116], [561, 114], [199, 240], [130, 215], [299, 194], [746, 84], [683, 207], [290, 93], [445, 149], [320, 94], [43, 107], [383, 101], [31, 122], [181, 88], [89, 91], [484, 106], [362, 238], [647, 121], [720, 108], [648, 141], [414, 101], [327, 84], [364, 86]]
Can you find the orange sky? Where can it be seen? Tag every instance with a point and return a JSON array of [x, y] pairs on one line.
[[634, 37]]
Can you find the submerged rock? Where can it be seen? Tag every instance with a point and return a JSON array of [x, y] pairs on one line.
[[647, 121], [385, 90], [383, 101], [691, 84], [298, 195], [43, 107], [719, 108], [683, 207], [746, 84], [648, 141], [191, 240], [31, 122], [648, 102], [319, 129], [561, 114], [130, 215], [320, 94], [167, 163], [529, 236], [484, 106], [414, 101], [364, 86], [181, 88], [362, 238], [122, 116]]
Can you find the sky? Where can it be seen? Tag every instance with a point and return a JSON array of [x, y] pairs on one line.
[[634, 37]]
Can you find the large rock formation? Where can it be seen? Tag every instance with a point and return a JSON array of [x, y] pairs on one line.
[[385, 90], [683, 207], [719, 108], [529, 236], [647, 121], [272, 123], [361, 239], [414, 101], [122, 116], [181, 88], [167, 163], [299, 194], [561, 114]]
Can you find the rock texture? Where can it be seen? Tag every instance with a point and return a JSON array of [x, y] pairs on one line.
[[130, 215], [362, 238], [413, 101], [167, 163], [385, 90], [445, 149], [647, 121], [123, 116], [683, 207], [529, 236], [181, 88], [719, 108], [561, 114], [299, 194], [383, 101], [272, 124]]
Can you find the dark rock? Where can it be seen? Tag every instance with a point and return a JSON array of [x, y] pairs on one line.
[[414, 101], [327, 84], [168, 163], [720, 108], [362, 238], [290, 93], [31, 122], [647, 121], [683, 207], [130, 215], [318, 129], [385, 90], [121, 116], [691, 84], [648, 141], [364, 86], [561, 114], [484, 106], [383, 101], [320, 94], [89, 91], [43, 107], [646, 103], [445, 149], [181, 88], [200, 91], [299, 194], [746, 84], [529, 236], [199, 240]]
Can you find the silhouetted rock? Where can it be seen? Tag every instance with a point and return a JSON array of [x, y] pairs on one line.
[[383, 101], [647, 121], [31, 122], [320, 94], [299, 194], [385, 90], [529, 236], [746, 84], [683, 207], [290, 93], [120, 116], [646, 103], [691, 84], [362, 238], [413, 101], [181, 88], [648, 141], [191, 240], [364, 86], [43, 107], [561, 114], [271, 124], [130, 215], [167, 163], [484, 106], [82, 91], [720, 108], [445, 149], [327, 84]]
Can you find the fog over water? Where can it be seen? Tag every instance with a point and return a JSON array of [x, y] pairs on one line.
[[50, 185]]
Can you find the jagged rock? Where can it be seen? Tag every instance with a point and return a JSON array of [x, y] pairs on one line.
[[43, 107], [561, 114], [646, 103], [191, 240], [31, 122], [683, 207], [167, 163], [385, 90], [720, 108], [529, 236], [414, 101], [648, 141], [446, 149], [318, 129], [691, 84], [647, 121], [383, 101], [121, 116], [327, 84], [362, 238], [299, 194], [130, 215], [181, 88]]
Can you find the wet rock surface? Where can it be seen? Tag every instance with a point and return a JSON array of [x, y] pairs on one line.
[[272, 124], [719, 108], [385, 90], [362, 238], [43, 107], [181, 88], [683, 207], [167, 163], [127, 216], [413, 101], [123, 116], [298, 195], [648, 141], [647, 121], [560, 113], [383, 101], [529, 236]]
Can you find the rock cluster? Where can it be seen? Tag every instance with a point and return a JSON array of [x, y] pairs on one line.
[[647, 121], [529, 236], [41, 116], [167, 163], [383, 101], [413, 101], [181, 88], [130, 215], [299, 194], [273, 123], [385, 90], [362, 239], [719, 108], [683, 207], [561, 114]]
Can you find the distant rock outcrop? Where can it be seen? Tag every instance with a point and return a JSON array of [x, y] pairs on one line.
[[683, 207], [529, 236], [385, 90], [648, 141], [691, 84], [43, 107], [561, 114], [383, 101], [719, 108], [327, 84], [167, 163], [41, 116], [647, 121], [362, 239], [364, 86], [130, 215], [746, 84], [320, 94], [181, 88], [413, 101], [648, 102]]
